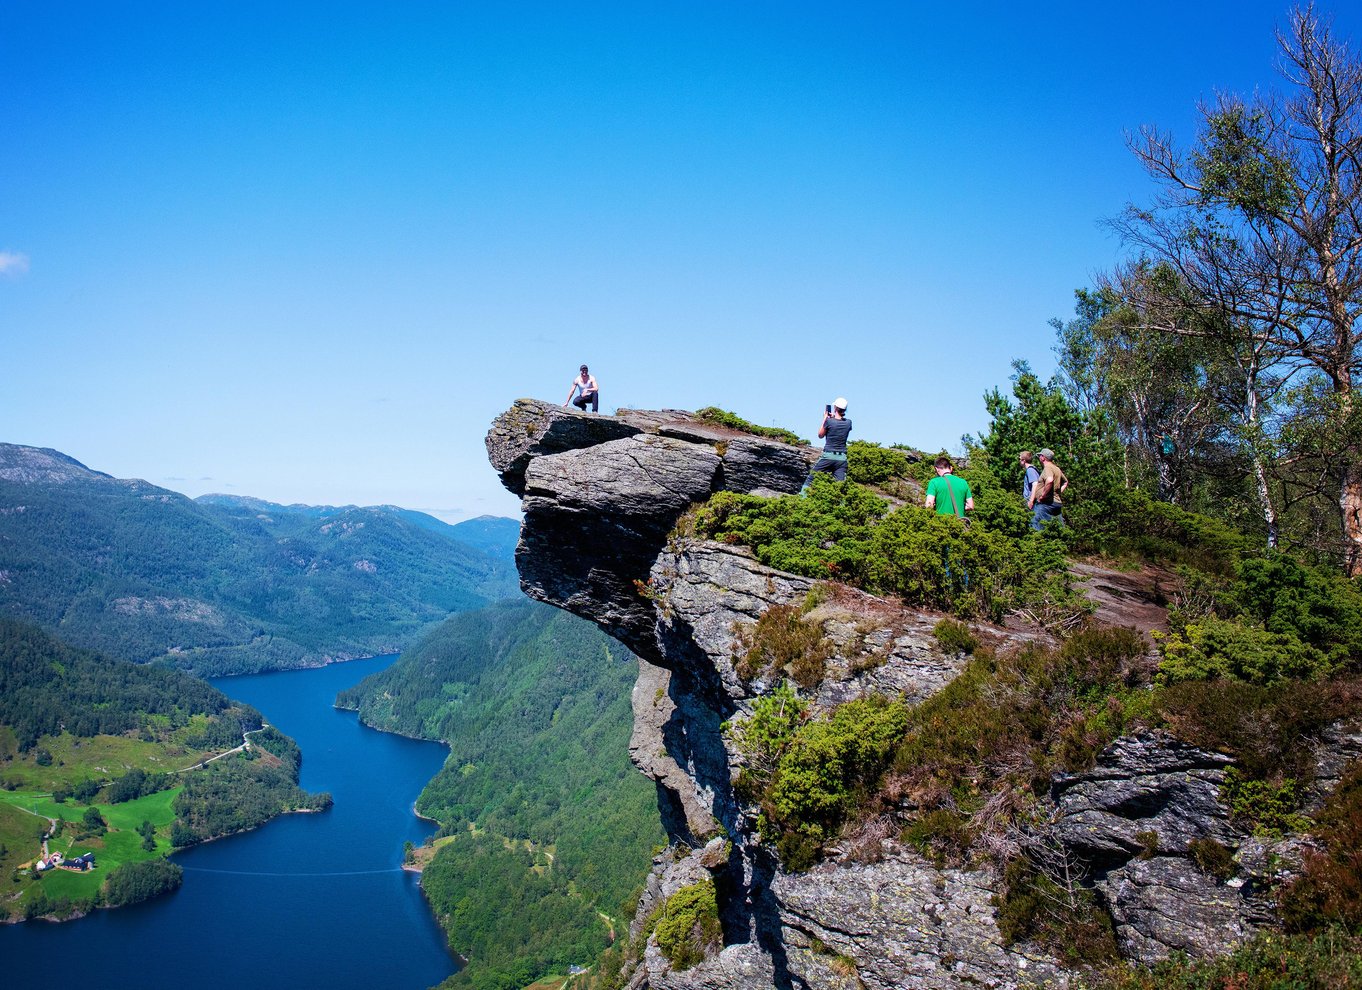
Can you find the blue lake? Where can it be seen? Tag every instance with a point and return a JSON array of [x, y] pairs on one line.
[[307, 900]]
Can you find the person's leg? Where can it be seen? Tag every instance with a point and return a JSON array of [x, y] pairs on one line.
[[822, 464], [839, 470], [580, 402], [595, 401]]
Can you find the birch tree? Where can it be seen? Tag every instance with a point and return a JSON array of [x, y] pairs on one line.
[[1263, 219]]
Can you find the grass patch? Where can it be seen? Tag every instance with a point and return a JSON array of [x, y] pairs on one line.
[[722, 417]]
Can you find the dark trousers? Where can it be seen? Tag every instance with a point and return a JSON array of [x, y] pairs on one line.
[[592, 397], [835, 466]]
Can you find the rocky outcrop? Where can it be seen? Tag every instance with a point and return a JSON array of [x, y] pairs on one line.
[[602, 499]]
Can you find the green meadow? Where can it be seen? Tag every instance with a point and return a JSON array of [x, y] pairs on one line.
[[21, 832]]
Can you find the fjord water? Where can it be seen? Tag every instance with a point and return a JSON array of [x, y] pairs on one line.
[[307, 900]]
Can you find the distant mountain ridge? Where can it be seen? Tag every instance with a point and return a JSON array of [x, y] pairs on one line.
[[226, 583]]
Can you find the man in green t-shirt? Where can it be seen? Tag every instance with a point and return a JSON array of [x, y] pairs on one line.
[[947, 494]]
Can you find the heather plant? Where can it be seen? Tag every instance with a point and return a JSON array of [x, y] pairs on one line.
[[1051, 907], [1328, 891], [1266, 729], [1329, 960], [782, 641], [954, 637]]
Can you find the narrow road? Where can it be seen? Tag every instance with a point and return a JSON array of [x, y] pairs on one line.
[[245, 744]]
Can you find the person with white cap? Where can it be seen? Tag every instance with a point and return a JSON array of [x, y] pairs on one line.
[[835, 430], [1046, 502]]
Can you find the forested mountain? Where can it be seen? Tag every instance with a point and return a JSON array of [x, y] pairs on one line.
[[545, 821], [123, 760], [224, 584]]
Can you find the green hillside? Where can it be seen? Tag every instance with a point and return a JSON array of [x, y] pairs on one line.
[[223, 584], [126, 762], [544, 824]]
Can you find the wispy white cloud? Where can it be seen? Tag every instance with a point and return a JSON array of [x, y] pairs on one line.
[[13, 263]]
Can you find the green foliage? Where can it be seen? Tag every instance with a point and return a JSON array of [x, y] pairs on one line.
[[713, 414], [1009, 721], [1262, 807], [1127, 523], [1330, 960], [535, 704], [870, 464], [687, 929], [825, 534], [133, 883], [782, 640], [826, 772], [843, 531], [1239, 166], [764, 737], [1214, 648], [1320, 609]]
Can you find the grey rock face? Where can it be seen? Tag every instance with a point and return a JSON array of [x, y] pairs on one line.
[[1166, 904], [903, 923], [1150, 783]]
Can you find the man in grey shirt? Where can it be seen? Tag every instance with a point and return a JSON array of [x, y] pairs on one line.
[[835, 430]]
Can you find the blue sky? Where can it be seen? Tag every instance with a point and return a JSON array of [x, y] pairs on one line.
[[307, 252]]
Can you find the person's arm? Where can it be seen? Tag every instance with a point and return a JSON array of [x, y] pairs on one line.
[[931, 498], [969, 503], [590, 385], [823, 427], [571, 391]]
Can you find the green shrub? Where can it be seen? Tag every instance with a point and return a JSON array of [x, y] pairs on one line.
[[829, 769], [1319, 609], [870, 464], [688, 927], [843, 531], [722, 417], [1265, 808], [1215, 648], [1128, 523], [763, 737]]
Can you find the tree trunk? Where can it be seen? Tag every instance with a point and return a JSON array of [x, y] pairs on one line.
[[1350, 502]]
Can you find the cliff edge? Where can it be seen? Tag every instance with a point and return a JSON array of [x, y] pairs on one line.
[[602, 496]]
